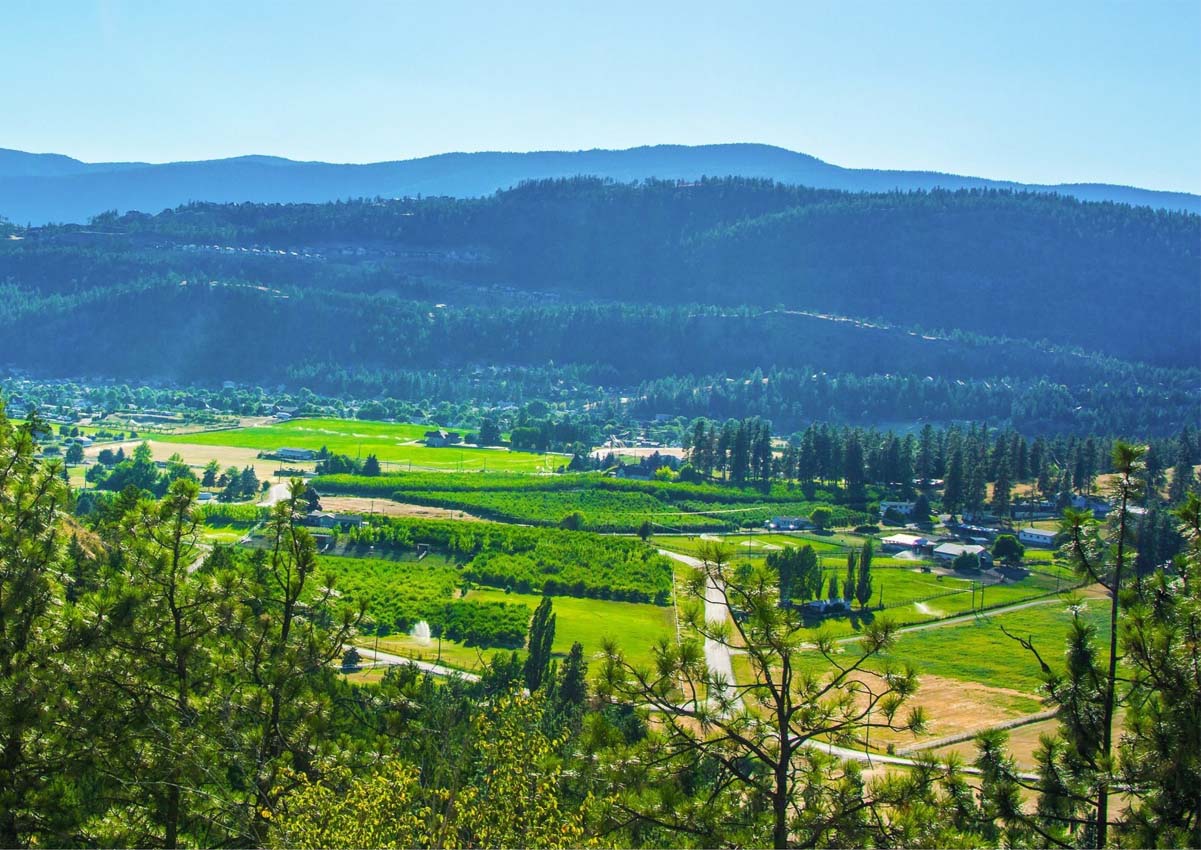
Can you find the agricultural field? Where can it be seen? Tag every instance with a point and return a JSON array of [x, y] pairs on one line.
[[637, 627], [606, 504], [396, 445], [976, 650], [528, 559], [198, 455], [401, 593]]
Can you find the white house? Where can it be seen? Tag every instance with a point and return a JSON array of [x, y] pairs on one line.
[[898, 542], [903, 508], [1037, 537], [948, 552]]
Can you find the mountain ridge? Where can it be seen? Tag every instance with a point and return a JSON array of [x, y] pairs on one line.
[[47, 187]]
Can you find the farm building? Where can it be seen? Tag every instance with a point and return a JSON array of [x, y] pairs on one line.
[[324, 519], [437, 439], [1037, 536], [296, 454], [903, 508], [788, 523], [902, 542], [948, 552]]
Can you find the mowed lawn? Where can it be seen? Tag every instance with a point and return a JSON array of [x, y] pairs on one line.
[[395, 444], [634, 626]]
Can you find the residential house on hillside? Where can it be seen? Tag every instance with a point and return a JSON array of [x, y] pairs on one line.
[[325, 519], [902, 508]]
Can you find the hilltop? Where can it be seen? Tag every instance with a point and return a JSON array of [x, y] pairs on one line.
[[40, 188]]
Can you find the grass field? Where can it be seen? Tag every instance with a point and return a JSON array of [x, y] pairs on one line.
[[395, 445], [978, 651], [636, 627]]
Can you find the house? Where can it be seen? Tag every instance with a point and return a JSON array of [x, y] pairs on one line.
[[788, 523], [295, 454], [948, 552], [902, 508], [325, 519], [902, 542], [437, 439], [1099, 507], [825, 606], [1037, 537]]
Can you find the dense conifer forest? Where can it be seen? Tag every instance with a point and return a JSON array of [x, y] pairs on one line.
[[1035, 310]]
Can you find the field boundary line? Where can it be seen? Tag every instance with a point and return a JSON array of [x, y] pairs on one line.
[[960, 737]]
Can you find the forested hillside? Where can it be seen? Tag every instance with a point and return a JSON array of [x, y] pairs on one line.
[[1034, 308], [49, 187]]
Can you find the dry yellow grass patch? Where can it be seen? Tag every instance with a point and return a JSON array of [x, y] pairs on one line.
[[387, 507]]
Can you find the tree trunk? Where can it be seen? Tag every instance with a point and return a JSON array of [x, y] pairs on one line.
[[1111, 676]]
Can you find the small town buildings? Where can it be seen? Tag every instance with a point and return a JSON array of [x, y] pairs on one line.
[[1037, 537], [296, 454]]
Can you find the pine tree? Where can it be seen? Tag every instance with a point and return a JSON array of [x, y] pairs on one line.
[[573, 681]]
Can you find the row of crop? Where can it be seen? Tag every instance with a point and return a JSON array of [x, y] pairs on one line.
[[475, 482], [398, 595], [600, 510], [222, 513], [534, 559]]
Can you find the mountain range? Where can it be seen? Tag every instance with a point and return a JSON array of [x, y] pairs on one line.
[[42, 188]]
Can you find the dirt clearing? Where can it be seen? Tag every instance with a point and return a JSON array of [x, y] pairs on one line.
[[386, 507]]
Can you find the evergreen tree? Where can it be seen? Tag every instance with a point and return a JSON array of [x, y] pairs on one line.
[[848, 584], [371, 465], [573, 682], [542, 636], [863, 589]]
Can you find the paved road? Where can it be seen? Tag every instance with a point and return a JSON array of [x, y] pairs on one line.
[[717, 656], [390, 660]]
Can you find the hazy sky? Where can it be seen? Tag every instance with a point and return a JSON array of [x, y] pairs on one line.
[[1035, 91]]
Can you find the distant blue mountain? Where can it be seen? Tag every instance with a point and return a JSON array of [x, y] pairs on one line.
[[41, 188]]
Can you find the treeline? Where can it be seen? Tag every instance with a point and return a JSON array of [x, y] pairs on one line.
[[964, 460]]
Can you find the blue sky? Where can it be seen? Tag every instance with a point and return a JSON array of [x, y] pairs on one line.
[[1031, 91]]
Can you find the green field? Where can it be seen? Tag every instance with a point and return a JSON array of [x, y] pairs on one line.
[[978, 651], [393, 444], [635, 626]]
